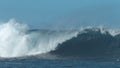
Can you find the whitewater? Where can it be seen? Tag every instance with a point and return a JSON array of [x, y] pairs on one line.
[[18, 40]]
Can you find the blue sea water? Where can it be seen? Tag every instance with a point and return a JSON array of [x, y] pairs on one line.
[[57, 63]]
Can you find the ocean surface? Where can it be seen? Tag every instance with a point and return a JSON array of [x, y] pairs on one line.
[[86, 47], [52, 63]]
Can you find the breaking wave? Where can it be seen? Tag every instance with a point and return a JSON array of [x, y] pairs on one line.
[[17, 40]]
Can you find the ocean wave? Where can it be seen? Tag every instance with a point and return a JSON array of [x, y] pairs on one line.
[[18, 40], [90, 43]]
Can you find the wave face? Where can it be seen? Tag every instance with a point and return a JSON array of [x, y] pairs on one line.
[[92, 42], [17, 40]]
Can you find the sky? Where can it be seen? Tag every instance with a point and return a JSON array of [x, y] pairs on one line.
[[53, 14]]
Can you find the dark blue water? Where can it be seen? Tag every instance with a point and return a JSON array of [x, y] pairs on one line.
[[57, 63]]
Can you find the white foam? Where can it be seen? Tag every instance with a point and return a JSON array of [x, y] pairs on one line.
[[16, 42]]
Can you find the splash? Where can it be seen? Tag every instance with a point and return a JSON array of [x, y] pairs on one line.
[[17, 40]]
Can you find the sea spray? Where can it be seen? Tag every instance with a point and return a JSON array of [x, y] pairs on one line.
[[17, 40]]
